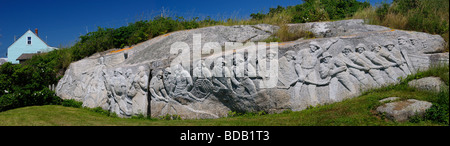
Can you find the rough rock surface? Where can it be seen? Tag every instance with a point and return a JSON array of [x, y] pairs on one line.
[[389, 99], [170, 75], [401, 111], [427, 83]]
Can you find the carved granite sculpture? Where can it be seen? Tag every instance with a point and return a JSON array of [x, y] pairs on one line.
[[202, 78]]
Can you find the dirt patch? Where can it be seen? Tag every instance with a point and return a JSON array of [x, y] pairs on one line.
[[402, 104]]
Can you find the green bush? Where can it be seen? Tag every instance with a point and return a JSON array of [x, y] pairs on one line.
[[170, 117], [417, 15], [316, 10], [72, 103], [28, 98]]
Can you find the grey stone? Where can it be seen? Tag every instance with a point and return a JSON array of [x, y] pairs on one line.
[[347, 57], [389, 99], [401, 111], [427, 83]]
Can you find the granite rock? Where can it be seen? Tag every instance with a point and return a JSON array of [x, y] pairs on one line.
[[401, 111], [169, 75], [427, 83]]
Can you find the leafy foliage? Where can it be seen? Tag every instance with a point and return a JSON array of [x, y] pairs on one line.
[[418, 15], [72, 103], [316, 10]]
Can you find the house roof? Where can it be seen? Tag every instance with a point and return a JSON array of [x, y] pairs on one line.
[[32, 33], [26, 56]]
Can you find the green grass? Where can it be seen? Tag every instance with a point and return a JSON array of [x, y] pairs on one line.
[[352, 112]]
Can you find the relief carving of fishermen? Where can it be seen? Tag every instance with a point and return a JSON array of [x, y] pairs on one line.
[[183, 81], [382, 54], [169, 80], [307, 60], [183, 86], [157, 90], [347, 56], [202, 84], [201, 71], [371, 61], [398, 57], [140, 100], [221, 75], [121, 100], [331, 67], [286, 71], [240, 73], [404, 46], [268, 69]]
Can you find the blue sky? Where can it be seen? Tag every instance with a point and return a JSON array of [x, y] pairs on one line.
[[61, 22]]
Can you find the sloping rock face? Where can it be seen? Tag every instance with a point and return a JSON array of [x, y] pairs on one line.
[[206, 72]]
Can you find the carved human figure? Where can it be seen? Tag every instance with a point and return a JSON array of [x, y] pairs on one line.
[[404, 46], [307, 60], [370, 59], [221, 75], [157, 90], [131, 90], [240, 74], [121, 100], [357, 70], [183, 81], [286, 71], [140, 100], [397, 55], [383, 55], [331, 67], [169, 80], [201, 71]]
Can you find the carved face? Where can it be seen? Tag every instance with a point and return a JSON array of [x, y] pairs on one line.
[[167, 72], [270, 56], [390, 47], [360, 49], [313, 48], [346, 51], [413, 41], [326, 59], [117, 72], [424, 44], [159, 75], [128, 73], [290, 55], [401, 41], [375, 48]]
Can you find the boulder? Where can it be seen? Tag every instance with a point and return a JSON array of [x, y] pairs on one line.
[[427, 83], [401, 111], [207, 72]]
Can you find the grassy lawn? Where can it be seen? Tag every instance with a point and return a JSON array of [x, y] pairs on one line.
[[356, 111]]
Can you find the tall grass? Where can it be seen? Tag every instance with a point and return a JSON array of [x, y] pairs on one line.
[[430, 16]]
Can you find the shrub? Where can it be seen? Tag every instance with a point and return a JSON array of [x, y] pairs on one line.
[[170, 117], [72, 103], [417, 15], [28, 98]]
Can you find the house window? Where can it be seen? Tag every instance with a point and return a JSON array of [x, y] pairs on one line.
[[29, 41]]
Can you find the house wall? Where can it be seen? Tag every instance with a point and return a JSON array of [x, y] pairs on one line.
[[21, 46]]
